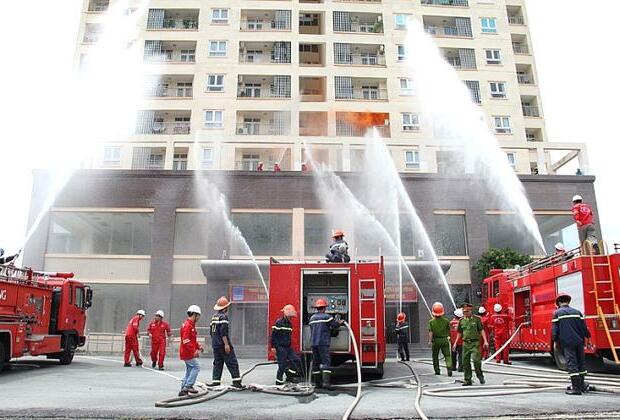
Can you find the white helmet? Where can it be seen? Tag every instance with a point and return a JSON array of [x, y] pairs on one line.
[[458, 313], [194, 309], [577, 198], [160, 313], [559, 246], [140, 312], [482, 310], [497, 308]]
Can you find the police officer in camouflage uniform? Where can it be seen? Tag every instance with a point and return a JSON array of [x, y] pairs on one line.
[[470, 329], [439, 337]]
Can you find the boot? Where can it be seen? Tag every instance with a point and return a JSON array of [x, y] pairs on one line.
[[585, 387], [316, 379], [153, 365], [481, 379], [449, 372], [575, 388], [215, 382], [237, 384], [327, 380]]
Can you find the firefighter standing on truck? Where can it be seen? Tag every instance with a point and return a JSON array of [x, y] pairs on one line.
[[439, 337], [339, 249], [159, 331], [288, 361], [131, 339], [457, 354], [499, 323], [321, 327], [570, 334], [189, 351], [402, 336], [584, 217], [223, 351], [470, 329]]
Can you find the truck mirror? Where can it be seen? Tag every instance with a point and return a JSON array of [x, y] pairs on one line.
[[89, 298]]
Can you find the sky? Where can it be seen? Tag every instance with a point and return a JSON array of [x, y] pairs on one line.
[[576, 51]]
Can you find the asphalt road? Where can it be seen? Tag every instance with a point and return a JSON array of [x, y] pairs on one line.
[[100, 387]]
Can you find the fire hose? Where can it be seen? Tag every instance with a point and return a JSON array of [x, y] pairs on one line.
[[358, 362]]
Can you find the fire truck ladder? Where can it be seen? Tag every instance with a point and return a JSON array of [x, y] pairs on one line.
[[604, 294], [368, 315]]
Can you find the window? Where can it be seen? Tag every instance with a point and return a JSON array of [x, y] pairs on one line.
[[498, 90], [406, 86], [317, 232], [112, 156], [556, 228], [265, 233], [190, 233], [188, 56], [219, 15], [401, 21], [207, 158], [184, 89], [217, 48], [506, 231], [412, 159], [512, 160], [80, 298], [215, 83], [450, 235], [493, 56], [502, 125], [214, 119], [474, 90], [402, 53], [489, 25], [411, 122]]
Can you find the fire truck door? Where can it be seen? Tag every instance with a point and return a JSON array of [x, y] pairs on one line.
[[523, 311]]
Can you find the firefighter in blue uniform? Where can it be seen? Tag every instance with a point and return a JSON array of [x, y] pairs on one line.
[[339, 249], [288, 361], [321, 326], [223, 352], [402, 336], [571, 334]]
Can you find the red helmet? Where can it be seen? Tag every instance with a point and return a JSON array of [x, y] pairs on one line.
[[337, 232], [437, 309], [222, 303], [401, 317], [320, 303], [289, 310]]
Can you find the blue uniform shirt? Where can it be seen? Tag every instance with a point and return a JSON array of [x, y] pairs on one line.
[[281, 332], [219, 329], [321, 325], [402, 331], [569, 327]]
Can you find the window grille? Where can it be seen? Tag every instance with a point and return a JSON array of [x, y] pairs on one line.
[[342, 22], [463, 27], [281, 52], [342, 53], [282, 19], [344, 87], [474, 89], [468, 58], [153, 49], [145, 122], [155, 19], [281, 87]]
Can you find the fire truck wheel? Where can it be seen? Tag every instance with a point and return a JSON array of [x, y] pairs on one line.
[[66, 357], [595, 363], [3, 353], [559, 359], [373, 374]]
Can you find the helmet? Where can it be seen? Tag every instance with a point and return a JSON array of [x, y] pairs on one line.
[[194, 309], [497, 308], [140, 312], [222, 303], [437, 309], [289, 310], [160, 313], [577, 198], [562, 298], [401, 317], [458, 313], [559, 246], [482, 310], [337, 232], [320, 303]]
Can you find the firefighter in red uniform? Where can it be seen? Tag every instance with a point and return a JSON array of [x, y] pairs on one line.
[[584, 217], [158, 330], [500, 325], [189, 351], [485, 316], [131, 339], [457, 354]]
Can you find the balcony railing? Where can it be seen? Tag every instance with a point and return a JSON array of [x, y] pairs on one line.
[[520, 48], [163, 92], [262, 93], [348, 130], [530, 111], [361, 60], [180, 24], [98, 6], [170, 57], [177, 127], [461, 3], [442, 30], [524, 79], [364, 27], [264, 25], [261, 129], [516, 20], [265, 58], [313, 131], [92, 37], [362, 94]]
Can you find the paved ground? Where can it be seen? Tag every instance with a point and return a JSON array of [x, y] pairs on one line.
[[99, 387]]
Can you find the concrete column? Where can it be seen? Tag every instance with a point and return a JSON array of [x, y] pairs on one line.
[[541, 160], [298, 233], [35, 248], [162, 250], [297, 156], [169, 157], [584, 161], [346, 157]]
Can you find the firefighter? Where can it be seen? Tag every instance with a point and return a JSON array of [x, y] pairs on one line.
[[439, 337], [223, 351], [570, 334], [276, 167], [189, 350], [584, 217], [560, 249], [457, 356], [159, 331], [259, 168], [281, 333], [402, 336], [339, 249], [322, 327], [131, 338], [7, 259], [484, 317], [470, 329], [499, 323]]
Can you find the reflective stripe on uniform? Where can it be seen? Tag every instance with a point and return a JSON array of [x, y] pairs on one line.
[[291, 371], [567, 316], [224, 321], [236, 379], [279, 381], [574, 374], [186, 341], [585, 372], [321, 320], [281, 328], [327, 371]]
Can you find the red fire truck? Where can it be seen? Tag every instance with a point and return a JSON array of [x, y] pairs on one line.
[[529, 294], [354, 291], [41, 314]]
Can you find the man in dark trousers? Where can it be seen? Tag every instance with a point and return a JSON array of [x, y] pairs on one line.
[[402, 336], [570, 334], [321, 327], [223, 352], [584, 217], [288, 361]]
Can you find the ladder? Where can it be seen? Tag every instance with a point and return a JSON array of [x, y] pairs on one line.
[[368, 316], [604, 293]]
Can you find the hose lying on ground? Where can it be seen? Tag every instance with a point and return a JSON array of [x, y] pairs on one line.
[[358, 363], [418, 397]]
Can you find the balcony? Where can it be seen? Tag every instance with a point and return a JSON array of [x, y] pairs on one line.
[[272, 159], [312, 89], [311, 55], [311, 23], [265, 52], [170, 51], [264, 87], [359, 54], [360, 89], [529, 104], [520, 44], [148, 158], [452, 3], [163, 122], [313, 124], [452, 27], [173, 19], [179, 162], [525, 74], [322, 155], [169, 86], [358, 22], [98, 6], [515, 15], [358, 124], [533, 134], [263, 123], [265, 20], [460, 58]]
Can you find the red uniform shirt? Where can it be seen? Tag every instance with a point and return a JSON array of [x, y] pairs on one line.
[[189, 340], [500, 324], [486, 318], [158, 329], [133, 326], [583, 214], [454, 324]]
